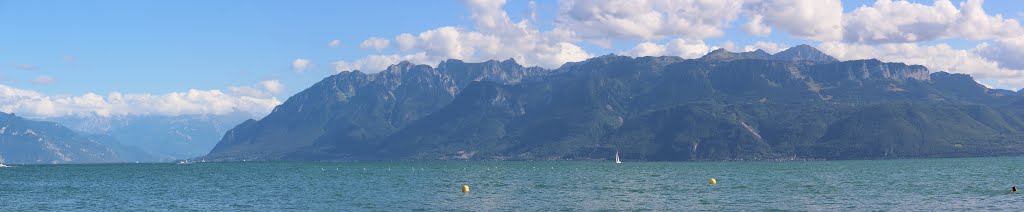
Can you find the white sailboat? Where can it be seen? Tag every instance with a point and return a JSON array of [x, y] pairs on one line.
[[617, 157]]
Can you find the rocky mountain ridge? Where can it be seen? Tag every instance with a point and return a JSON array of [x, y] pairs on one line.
[[798, 103]]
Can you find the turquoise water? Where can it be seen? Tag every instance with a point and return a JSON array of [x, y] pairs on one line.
[[898, 185]]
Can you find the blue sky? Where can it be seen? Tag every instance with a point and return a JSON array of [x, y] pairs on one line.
[[166, 46], [63, 49]]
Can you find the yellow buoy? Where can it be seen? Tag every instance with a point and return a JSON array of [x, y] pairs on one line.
[[712, 181], [465, 188]]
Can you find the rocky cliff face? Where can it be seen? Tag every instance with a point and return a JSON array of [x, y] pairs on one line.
[[354, 108], [870, 70]]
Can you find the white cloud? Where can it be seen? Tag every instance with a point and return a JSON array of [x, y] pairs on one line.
[[488, 14], [885, 21], [376, 63], [647, 49], [756, 26], [600, 21], [675, 47], [769, 47], [375, 43], [690, 49], [446, 42], [678, 27], [272, 86], [43, 80], [815, 19], [940, 57], [34, 104], [1009, 52], [263, 89], [901, 21], [495, 36], [334, 43], [299, 65], [405, 41], [532, 6], [560, 53]]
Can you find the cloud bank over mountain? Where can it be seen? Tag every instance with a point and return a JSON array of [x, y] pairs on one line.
[[888, 30], [254, 100]]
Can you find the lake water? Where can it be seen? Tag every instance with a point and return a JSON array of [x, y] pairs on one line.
[[899, 185]]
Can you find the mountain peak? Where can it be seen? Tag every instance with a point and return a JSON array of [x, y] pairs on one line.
[[804, 52], [400, 66], [451, 61], [510, 61], [799, 52], [726, 55]]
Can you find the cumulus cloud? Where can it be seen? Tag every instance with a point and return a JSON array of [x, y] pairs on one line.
[[885, 21], [756, 26], [675, 47], [334, 43], [263, 89], [888, 30], [815, 19], [889, 21], [34, 104], [599, 21], [647, 49], [446, 42], [272, 86], [939, 57], [375, 43], [376, 63], [495, 36], [488, 14], [43, 80], [299, 65], [769, 47], [1008, 52]]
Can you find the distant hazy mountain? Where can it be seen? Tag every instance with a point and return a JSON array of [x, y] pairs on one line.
[[168, 137], [26, 142], [798, 103]]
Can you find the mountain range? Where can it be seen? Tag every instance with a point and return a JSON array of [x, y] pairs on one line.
[[166, 138], [24, 141], [796, 104]]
